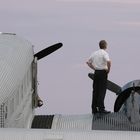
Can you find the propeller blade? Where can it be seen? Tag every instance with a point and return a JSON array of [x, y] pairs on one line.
[[126, 91], [110, 85], [113, 87], [123, 96], [48, 51], [121, 99]]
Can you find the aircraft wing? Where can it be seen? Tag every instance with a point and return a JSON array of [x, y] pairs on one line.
[[43, 134]]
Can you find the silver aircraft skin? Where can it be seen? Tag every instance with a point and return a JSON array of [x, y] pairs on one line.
[[19, 98]]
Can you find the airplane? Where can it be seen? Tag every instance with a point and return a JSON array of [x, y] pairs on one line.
[[19, 99]]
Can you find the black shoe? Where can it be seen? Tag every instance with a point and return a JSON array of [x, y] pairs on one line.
[[94, 110], [103, 111]]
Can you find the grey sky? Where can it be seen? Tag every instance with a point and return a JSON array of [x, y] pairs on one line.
[[79, 25]]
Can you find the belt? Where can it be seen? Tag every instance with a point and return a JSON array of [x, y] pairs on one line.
[[101, 70]]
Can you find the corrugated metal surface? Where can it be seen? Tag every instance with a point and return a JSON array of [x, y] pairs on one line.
[[16, 55], [42, 134], [114, 121], [72, 122]]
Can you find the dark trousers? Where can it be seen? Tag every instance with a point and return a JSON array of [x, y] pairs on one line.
[[99, 89]]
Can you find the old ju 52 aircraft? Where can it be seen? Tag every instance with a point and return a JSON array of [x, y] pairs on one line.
[[19, 98]]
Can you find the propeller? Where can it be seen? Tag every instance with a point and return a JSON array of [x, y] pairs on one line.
[[123, 93], [123, 96], [110, 85], [48, 51]]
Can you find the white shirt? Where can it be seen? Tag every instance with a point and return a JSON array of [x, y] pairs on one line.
[[99, 59]]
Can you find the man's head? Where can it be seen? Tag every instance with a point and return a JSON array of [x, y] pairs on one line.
[[103, 44]]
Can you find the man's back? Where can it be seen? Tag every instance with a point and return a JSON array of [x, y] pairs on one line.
[[99, 59]]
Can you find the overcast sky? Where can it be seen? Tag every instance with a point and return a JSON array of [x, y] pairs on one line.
[[79, 24]]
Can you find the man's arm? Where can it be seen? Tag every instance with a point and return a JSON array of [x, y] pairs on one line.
[[108, 66], [89, 63]]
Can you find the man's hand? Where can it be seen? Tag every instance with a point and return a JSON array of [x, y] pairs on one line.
[[90, 65]]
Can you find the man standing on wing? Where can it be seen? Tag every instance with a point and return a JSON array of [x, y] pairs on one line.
[[100, 62]]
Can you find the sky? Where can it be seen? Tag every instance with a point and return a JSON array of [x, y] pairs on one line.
[[63, 80]]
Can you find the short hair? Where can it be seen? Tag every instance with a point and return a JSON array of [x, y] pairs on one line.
[[102, 44]]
